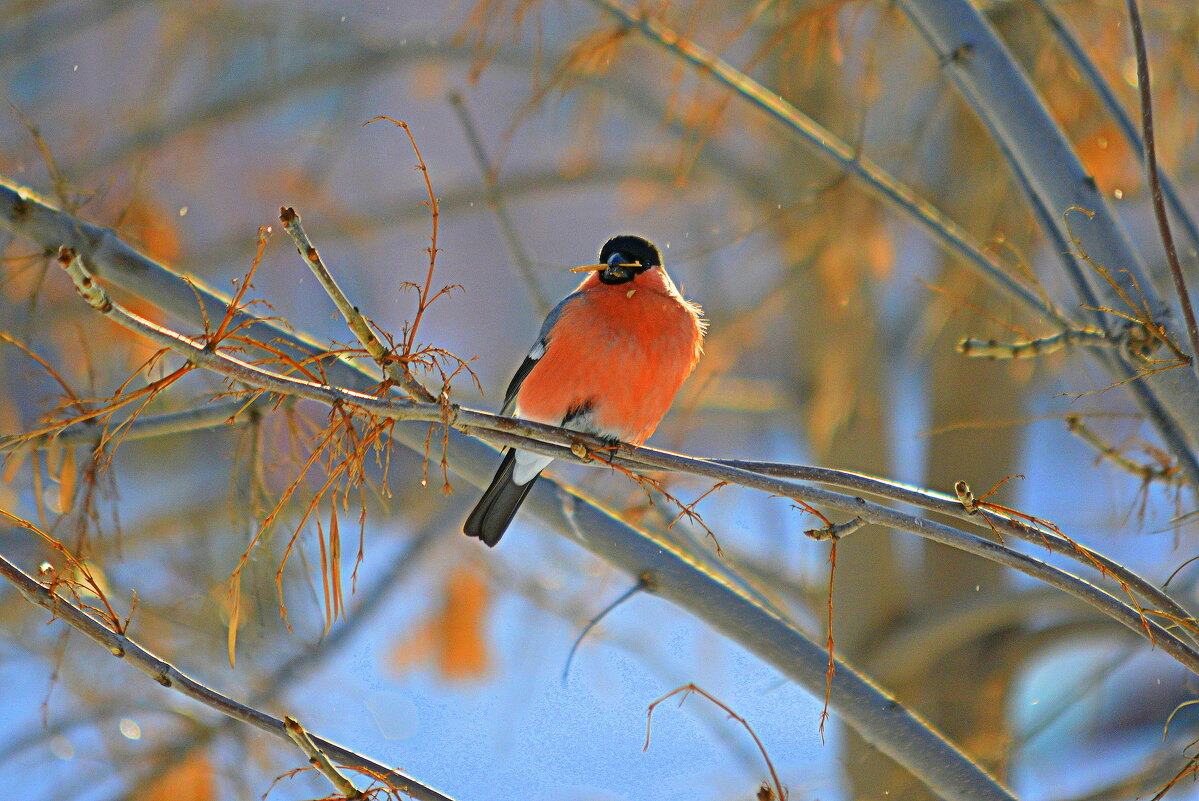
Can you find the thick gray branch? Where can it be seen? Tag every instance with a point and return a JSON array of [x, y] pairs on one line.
[[993, 83]]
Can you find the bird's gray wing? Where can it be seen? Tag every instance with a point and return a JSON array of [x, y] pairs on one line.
[[534, 355]]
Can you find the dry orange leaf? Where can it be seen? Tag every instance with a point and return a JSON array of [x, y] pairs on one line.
[[835, 401], [428, 81], [190, 780], [1110, 160], [454, 635], [66, 481], [463, 653], [13, 462], [54, 450], [879, 250], [594, 54], [232, 611]]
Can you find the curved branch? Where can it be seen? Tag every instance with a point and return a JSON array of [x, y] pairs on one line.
[[281, 677], [710, 593], [1155, 182], [887, 187], [1123, 120], [521, 433], [989, 78], [713, 597], [171, 677]]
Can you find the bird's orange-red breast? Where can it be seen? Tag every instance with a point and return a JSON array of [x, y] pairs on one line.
[[608, 361]]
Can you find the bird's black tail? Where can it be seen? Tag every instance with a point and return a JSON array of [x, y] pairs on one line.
[[499, 503]]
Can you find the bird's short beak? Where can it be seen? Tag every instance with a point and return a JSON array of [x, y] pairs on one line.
[[618, 268]]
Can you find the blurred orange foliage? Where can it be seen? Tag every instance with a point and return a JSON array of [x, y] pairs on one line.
[[190, 780], [453, 637], [1110, 160], [152, 228]]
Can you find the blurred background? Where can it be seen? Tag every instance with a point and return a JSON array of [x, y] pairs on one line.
[[547, 128]]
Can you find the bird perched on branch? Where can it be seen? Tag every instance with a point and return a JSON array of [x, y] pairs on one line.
[[608, 361]]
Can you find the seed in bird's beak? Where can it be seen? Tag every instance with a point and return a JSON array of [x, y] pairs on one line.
[[591, 268]]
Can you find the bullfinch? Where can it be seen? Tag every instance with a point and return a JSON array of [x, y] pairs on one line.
[[608, 361]]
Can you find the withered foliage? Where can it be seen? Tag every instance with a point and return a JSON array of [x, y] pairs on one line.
[[806, 276]]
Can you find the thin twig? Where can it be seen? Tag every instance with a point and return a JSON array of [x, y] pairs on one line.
[[1155, 186], [210, 415], [434, 212], [1042, 346], [392, 368], [692, 688], [945, 231], [835, 531], [495, 201], [166, 674], [319, 760], [1146, 472], [591, 624], [1128, 128]]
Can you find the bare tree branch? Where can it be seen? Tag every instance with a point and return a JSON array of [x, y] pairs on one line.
[[171, 677], [371, 600], [349, 312], [320, 759], [1155, 184], [210, 415], [1127, 127], [989, 78], [943, 230], [495, 200], [517, 433], [708, 591]]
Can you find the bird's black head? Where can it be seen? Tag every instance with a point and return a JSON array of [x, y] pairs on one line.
[[623, 250]]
